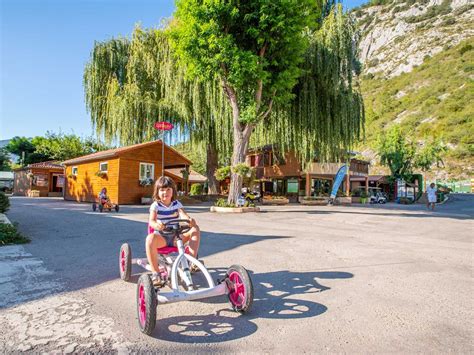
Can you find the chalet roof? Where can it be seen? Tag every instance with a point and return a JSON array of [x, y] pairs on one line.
[[117, 152], [193, 175], [52, 164]]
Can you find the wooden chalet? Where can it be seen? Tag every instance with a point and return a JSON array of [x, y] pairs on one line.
[[128, 173]]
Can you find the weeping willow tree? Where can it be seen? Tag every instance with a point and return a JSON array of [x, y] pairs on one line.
[[234, 75], [285, 67], [130, 84]]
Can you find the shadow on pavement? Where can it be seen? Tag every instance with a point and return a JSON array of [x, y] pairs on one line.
[[80, 248], [275, 298]]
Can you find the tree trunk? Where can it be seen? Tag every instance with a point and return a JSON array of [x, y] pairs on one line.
[[238, 156], [211, 166], [242, 134]]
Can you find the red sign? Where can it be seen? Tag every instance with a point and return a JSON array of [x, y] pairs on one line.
[[163, 126]]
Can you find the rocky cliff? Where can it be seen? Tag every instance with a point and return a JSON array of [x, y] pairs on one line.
[[418, 72]]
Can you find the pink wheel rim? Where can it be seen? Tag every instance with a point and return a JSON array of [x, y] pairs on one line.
[[237, 293], [122, 261], [141, 305]]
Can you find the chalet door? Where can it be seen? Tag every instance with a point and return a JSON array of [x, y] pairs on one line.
[[57, 183]]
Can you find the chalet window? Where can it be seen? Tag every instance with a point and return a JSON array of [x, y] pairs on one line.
[[292, 186], [279, 159], [74, 170], [267, 159], [252, 160], [147, 171], [104, 167]]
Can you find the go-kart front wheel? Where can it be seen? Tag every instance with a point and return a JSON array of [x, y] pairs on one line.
[[94, 207], [125, 262], [101, 208], [146, 304], [240, 288], [117, 208]]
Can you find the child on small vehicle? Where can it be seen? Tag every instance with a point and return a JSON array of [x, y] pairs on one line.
[[103, 198], [167, 208]]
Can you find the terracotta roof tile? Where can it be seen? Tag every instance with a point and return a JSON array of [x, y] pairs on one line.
[[116, 152]]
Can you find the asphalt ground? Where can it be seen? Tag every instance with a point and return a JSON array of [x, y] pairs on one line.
[[384, 278]]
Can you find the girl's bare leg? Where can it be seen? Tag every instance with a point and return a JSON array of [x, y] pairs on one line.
[[153, 242], [193, 236]]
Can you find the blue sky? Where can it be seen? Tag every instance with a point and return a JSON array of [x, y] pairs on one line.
[[44, 45]]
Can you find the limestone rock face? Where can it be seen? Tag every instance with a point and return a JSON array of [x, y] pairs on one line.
[[400, 35]]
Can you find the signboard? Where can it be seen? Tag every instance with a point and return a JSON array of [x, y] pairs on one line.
[[40, 180], [338, 180], [163, 126], [60, 181]]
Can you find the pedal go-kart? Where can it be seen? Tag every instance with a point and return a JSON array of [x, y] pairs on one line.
[[175, 273], [106, 205]]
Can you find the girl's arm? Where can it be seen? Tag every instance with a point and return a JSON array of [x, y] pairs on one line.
[[156, 225], [184, 215]]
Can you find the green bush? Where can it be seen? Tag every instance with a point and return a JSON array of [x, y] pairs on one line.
[[465, 48], [242, 169], [10, 235], [222, 173], [196, 189], [222, 202], [4, 203]]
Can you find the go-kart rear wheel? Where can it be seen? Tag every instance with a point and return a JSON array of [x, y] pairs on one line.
[[117, 208], [94, 207], [240, 288], [125, 262], [101, 208], [146, 304]]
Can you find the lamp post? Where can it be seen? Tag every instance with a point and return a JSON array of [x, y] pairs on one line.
[[163, 126]]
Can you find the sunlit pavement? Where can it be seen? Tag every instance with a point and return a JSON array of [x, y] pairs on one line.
[[327, 279]]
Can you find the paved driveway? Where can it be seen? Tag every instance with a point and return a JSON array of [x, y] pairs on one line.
[[327, 279]]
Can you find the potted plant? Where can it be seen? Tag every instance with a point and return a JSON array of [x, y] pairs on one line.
[[314, 200], [100, 174], [275, 200], [223, 206], [145, 182], [363, 197]]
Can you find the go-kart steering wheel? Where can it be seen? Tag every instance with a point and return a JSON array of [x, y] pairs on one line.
[[176, 227]]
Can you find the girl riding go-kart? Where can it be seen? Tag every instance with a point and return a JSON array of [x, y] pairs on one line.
[[171, 263], [104, 202]]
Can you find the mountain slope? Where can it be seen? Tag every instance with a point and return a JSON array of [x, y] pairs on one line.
[[422, 82]]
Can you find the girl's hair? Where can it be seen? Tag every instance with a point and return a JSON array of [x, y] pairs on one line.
[[164, 181]]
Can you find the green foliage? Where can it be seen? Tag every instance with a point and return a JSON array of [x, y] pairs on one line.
[[196, 189], [287, 65], [396, 153], [222, 173], [52, 147], [435, 102], [194, 152], [60, 146], [242, 169], [4, 160], [4, 203], [431, 153], [221, 202], [245, 42], [10, 235], [466, 48], [448, 21], [23, 146]]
